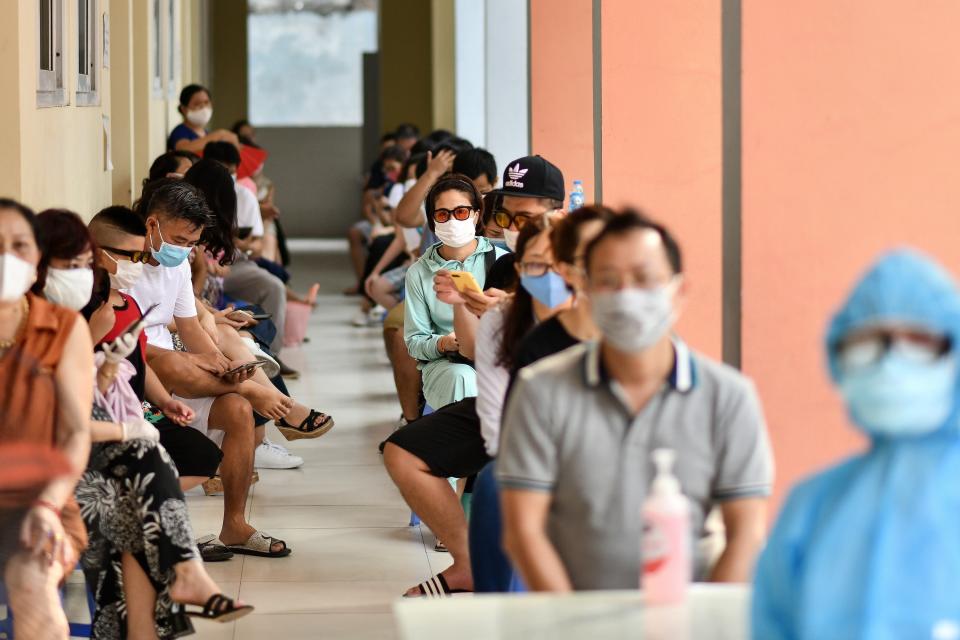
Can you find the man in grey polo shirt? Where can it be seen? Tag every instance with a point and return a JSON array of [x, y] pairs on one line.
[[574, 462]]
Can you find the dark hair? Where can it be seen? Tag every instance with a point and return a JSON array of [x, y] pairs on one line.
[[25, 212], [187, 93], [630, 220], [167, 163], [413, 161], [240, 124], [60, 234], [223, 152], [176, 199], [120, 218], [404, 130], [457, 145], [389, 136], [396, 152], [518, 317], [566, 234], [451, 182], [476, 162], [213, 179]]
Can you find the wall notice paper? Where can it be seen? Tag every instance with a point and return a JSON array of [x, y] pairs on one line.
[[106, 41], [107, 159]]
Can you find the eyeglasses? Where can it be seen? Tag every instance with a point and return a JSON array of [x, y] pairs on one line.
[[866, 350], [134, 256], [534, 269], [505, 219], [458, 213]]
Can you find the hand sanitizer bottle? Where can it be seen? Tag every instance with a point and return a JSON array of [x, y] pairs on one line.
[[666, 547]]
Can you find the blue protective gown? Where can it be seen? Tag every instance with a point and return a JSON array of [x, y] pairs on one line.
[[871, 548]]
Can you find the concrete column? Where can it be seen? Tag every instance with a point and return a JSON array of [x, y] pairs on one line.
[[470, 70], [507, 80]]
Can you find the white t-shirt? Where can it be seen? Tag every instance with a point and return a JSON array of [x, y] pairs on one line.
[[492, 379], [172, 289], [248, 210]]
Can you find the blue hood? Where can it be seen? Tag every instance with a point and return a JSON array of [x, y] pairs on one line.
[[903, 287]]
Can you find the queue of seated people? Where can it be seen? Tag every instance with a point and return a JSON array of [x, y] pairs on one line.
[[140, 357], [536, 359]]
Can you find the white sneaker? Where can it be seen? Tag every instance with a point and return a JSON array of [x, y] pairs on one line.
[[362, 319], [272, 456], [377, 314]]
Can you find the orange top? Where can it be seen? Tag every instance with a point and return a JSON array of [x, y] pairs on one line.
[[28, 394]]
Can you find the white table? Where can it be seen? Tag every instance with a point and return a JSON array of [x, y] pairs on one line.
[[711, 612]]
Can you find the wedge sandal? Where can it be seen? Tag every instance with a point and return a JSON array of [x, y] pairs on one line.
[[313, 426]]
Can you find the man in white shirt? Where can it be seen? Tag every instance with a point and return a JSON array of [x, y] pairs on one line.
[[175, 214], [246, 280]]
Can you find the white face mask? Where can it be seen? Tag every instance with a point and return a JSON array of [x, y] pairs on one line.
[[70, 288], [200, 117], [127, 275], [511, 237], [16, 277], [457, 233], [633, 320]]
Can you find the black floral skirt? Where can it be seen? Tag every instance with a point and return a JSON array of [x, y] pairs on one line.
[[131, 502]]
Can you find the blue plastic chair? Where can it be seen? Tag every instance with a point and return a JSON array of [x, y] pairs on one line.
[[77, 629]]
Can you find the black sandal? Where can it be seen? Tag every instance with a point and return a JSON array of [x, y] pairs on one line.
[[309, 428], [212, 550], [436, 587], [220, 608]]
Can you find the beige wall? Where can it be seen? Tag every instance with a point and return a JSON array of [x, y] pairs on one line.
[[442, 53], [55, 156], [406, 79], [228, 57]]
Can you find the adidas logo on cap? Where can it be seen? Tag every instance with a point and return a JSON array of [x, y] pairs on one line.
[[515, 173]]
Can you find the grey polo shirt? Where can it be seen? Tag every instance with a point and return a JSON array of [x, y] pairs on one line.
[[568, 430]]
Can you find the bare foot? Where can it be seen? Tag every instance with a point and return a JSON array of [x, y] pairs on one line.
[[193, 585], [267, 401]]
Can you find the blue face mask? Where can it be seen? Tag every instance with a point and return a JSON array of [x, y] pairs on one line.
[[499, 243], [169, 255], [899, 397], [549, 289]]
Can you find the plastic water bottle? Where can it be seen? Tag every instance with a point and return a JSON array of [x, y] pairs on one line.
[[576, 196], [666, 547]]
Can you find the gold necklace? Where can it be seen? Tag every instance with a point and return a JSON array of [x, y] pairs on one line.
[[25, 311]]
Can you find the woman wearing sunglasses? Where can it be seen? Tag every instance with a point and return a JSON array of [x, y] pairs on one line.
[[453, 208], [871, 548]]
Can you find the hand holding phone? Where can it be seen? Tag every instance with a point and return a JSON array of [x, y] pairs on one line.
[[464, 281], [245, 367]]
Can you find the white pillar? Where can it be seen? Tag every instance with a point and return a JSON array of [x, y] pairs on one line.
[[507, 82], [470, 70]]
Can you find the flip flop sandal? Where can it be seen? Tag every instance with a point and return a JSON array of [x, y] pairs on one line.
[[436, 587], [213, 550], [260, 545], [220, 608], [440, 547], [311, 427]]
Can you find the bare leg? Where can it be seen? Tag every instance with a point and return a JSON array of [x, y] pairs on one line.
[[406, 376], [189, 482], [32, 595], [232, 414], [382, 293], [436, 503], [358, 256], [187, 380], [140, 599]]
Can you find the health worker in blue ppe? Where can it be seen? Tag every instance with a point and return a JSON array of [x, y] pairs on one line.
[[870, 549]]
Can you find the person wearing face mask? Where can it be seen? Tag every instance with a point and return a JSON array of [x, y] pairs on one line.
[[868, 548], [570, 521], [196, 108], [453, 208], [46, 396]]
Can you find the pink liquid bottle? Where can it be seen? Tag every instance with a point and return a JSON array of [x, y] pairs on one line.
[[666, 550]]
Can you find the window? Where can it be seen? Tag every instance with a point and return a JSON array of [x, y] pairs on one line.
[[87, 53], [306, 60], [173, 80], [157, 60], [50, 90]]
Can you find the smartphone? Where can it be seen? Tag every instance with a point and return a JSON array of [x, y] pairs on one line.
[[137, 325], [464, 281], [261, 316], [244, 232], [249, 366]]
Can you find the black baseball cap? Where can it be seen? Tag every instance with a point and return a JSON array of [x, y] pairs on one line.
[[532, 177]]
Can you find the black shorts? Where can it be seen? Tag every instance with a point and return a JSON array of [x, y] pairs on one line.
[[192, 452], [448, 441]]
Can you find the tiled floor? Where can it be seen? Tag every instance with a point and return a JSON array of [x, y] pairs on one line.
[[353, 553]]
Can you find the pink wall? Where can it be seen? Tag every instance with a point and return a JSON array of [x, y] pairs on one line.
[[662, 140], [850, 145], [561, 87]]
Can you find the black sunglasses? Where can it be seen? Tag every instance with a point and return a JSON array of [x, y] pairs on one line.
[[135, 256]]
